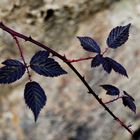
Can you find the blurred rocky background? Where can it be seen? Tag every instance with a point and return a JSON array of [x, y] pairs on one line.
[[70, 113]]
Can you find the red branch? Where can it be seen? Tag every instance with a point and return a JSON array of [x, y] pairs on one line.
[[86, 58], [80, 59], [30, 39], [108, 102], [22, 57]]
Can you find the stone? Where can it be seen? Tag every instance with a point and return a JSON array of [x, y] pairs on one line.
[[70, 113]]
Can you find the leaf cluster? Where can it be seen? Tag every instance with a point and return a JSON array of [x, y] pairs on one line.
[[44, 65], [40, 63], [116, 38], [127, 100]]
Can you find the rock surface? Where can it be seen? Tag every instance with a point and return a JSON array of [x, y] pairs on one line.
[[70, 113]]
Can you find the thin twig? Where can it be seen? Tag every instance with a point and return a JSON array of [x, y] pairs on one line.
[[22, 57], [86, 58], [80, 59], [30, 39], [108, 102]]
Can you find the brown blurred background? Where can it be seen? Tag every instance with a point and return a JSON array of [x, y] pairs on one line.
[[70, 113]]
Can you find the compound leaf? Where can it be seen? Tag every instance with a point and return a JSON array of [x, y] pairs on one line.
[[116, 66], [12, 71], [118, 36], [35, 97], [45, 66], [111, 90], [97, 60], [129, 102], [89, 44]]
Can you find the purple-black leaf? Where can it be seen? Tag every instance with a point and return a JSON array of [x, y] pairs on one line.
[[45, 66], [89, 44], [35, 97], [97, 60], [116, 66], [126, 94], [106, 65], [12, 62], [127, 101], [118, 36], [111, 90], [12, 71], [40, 55]]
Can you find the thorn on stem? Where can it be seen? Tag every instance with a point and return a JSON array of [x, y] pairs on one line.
[[129, 125], [1, 23], [100, 99], [53, 55], [26, 39], [115, 119], [89, 92], [64, 56], [30, 38], [83, 77]]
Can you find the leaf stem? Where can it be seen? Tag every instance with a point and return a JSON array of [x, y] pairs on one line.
[[80, 59], [108, 102], [30, 39], [86, 58], [22, 57], [106, 49]]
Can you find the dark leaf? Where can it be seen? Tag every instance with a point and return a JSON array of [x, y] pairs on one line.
[[45, 66], [89, 44], [12, 62], [111, 90], [106, 65], [97, 60], [127, 101], [34, 97], [126, 94], [116, 66], [12, 71], [40, 55], [118, 36]]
